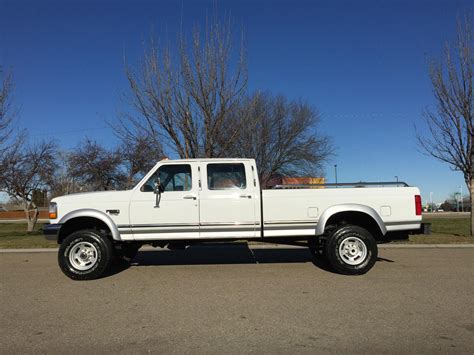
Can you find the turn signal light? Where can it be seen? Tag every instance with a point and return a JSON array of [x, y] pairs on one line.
[[53, 210]]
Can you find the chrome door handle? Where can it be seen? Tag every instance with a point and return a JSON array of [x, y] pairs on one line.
[[245, 196], [112, 211], [190, 197]]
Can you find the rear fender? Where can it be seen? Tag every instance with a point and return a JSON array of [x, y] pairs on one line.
[[331, 211]]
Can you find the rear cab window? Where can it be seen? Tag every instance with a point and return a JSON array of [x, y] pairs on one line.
[[226, 176]]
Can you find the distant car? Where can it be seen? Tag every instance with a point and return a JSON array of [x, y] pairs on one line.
[[3, 209], [440, 210]]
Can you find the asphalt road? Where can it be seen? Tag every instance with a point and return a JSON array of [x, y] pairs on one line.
[[237, 300]]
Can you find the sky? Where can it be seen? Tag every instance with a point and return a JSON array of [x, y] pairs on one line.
[[362, 64]]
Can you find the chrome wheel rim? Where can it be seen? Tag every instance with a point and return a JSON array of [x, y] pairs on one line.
[[83, 256], [353, 251]]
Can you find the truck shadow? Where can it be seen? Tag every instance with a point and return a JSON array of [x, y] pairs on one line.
[[225, 253]]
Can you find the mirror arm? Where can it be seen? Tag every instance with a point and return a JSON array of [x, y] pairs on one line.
[[158, 198], [158, 190]]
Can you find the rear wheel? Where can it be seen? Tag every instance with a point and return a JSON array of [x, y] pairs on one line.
[[85, 255], [351, 250]]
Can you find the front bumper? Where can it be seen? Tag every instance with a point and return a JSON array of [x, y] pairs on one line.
[[51, 231]]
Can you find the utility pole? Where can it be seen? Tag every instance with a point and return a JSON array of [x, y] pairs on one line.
[[335, 172], [457, 197], [462, 199], [431, 201], [396, 177]]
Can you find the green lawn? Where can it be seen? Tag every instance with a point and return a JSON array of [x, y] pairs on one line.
[[445, 230], [14, 235], [446, 225]]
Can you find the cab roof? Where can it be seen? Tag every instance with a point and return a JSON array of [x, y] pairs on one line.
[[196, 160]]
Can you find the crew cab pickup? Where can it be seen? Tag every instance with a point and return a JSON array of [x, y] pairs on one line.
[[184, 202]]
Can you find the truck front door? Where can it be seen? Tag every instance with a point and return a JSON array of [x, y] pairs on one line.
[[177, 215]]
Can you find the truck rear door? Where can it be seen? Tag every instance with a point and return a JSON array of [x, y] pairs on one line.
[[228, 200]]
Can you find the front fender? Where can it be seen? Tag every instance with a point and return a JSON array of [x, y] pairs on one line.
[[89, 212], [352, 207]]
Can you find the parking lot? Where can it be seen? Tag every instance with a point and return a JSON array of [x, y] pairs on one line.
[[239, 300]]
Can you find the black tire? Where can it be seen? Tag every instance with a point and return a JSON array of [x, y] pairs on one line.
[[85, 255], [127, 251], [351, 250]]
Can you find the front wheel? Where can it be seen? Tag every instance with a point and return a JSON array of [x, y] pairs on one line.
[[351, 250], [85, 255]]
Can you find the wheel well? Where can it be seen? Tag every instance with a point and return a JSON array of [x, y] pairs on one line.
[[360, 219], [79, 223]]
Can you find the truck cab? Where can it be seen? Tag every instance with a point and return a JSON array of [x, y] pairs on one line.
[[201, 199]]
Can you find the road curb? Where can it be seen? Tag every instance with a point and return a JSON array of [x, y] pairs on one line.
[[264, 246], [424, 246], [40, 250]]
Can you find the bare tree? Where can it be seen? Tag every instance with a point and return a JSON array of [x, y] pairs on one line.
[[6, 112], [450, 135], [283, 137], [138, 155], [182, 99], [96, 168], [63, 183], [26, 169], [194, 102]]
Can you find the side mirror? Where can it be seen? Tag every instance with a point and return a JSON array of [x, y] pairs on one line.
[[158, 187]]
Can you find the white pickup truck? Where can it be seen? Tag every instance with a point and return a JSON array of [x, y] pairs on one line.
[[183, 202]]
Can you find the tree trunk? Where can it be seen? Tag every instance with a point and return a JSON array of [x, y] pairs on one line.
[[471, 183], [33, 219], [30, 219], [471, 191]]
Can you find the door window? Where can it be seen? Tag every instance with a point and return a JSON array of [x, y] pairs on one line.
[[226, 176], [172, 178]]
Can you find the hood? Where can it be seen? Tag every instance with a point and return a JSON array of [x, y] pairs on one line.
[[94, 196]]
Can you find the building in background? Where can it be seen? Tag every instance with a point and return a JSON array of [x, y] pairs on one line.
[[286, 180]]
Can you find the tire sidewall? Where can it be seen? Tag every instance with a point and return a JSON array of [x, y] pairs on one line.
[[104, 253], [335, 259]]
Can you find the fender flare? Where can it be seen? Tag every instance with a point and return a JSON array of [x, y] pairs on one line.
[[329, 212], [92, 213]]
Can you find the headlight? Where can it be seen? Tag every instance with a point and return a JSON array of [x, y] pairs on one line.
[[53, 210]]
